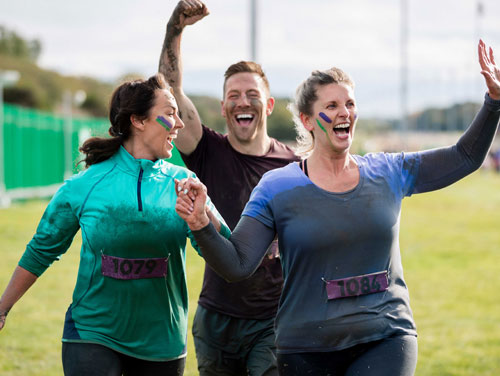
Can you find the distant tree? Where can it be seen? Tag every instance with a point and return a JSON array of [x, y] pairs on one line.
[[280, 123], [131, 76], [13, 44], [94, 105], [209, 109], [21, 96], [454, 118]]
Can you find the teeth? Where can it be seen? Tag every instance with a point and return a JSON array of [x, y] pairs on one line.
[[244, 116], [342, 126]]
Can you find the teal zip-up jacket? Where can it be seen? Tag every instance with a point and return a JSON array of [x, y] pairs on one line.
[[125, 208]]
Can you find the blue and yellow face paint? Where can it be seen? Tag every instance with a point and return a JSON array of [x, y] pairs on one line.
[[164, 123]]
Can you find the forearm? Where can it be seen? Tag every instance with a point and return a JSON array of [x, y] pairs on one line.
[[20, 282], [171, 67], [444, 166], [237, 258], [170, 58]]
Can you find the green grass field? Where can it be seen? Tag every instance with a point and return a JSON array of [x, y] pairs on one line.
[[450, 243]]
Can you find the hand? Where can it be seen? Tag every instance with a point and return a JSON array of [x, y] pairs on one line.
[[191, 202], [489, 70], [3, 317], [187, 12]]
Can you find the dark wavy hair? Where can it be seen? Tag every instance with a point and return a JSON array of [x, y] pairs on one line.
[[130, 98]]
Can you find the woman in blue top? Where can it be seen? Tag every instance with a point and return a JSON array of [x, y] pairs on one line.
[[345, 307], [129, 310]]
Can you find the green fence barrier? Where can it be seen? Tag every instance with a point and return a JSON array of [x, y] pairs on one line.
[[34, 146]]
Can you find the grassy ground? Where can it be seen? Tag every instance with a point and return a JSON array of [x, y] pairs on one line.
[[450, 242]]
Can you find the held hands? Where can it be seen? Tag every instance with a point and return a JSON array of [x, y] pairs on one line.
[[191, 204], [490, 70], [188, 12]]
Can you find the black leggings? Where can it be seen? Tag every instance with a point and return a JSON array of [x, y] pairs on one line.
[[395, 356], [83, 359]]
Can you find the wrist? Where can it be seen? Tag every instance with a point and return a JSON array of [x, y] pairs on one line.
[[199, 223], [174, 28], [4, 313]]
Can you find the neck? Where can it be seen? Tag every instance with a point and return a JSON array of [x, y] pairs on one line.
[[333, 164], [258, 146], [136, 150]]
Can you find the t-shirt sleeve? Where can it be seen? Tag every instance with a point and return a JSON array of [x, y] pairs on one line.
[[403, 168], [259, 205], [54, 233], [196, 160]]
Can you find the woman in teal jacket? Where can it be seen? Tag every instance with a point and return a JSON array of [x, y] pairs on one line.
[[129, 309]]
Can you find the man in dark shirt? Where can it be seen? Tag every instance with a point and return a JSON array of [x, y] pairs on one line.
[[233, 327]]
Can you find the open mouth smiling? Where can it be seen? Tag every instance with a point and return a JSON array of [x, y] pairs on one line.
[[244, 119], [342, 128]]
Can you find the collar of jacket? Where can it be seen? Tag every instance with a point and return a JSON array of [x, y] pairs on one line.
[[131, 165]]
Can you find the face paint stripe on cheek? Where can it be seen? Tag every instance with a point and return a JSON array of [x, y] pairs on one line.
[[319, 124], [324, 117], [164, 122]]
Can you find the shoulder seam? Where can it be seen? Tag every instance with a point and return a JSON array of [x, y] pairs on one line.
[[91, 189]]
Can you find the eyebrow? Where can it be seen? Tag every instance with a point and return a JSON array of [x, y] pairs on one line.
[[172, 107]]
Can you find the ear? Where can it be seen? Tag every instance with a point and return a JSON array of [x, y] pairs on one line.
[[307, 121], [222, 110], [137, 123], [270, 106]]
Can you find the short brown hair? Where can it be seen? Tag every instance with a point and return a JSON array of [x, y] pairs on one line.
[[245, 67]]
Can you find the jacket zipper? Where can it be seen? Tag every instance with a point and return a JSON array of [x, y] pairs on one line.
[[139, 198]]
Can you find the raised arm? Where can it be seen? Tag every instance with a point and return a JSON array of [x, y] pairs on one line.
[[187, 12], [444, 166], [234, 259]]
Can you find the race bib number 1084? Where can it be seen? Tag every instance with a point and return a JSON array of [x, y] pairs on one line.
[[358, 285]]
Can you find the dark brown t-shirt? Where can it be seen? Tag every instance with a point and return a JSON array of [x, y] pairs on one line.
[[230, 177]]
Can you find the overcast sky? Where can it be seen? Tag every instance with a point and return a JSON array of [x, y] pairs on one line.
[[108, 38]]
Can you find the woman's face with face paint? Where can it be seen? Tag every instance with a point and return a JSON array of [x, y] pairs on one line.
[[161, 125], [334, 116]]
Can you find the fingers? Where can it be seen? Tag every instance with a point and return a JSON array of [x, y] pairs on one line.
[[482, 55], [492, 57], [184, 204], [189, 186], [3, 317], [193, 7], [189, 12], [489, 70]]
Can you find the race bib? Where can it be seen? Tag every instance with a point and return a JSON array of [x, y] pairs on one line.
[[355, 286], [123, 268]]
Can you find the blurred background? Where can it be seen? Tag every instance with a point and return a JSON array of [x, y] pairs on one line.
[[414, 64]]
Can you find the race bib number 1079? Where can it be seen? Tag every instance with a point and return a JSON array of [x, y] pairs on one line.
[[124, 268]]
